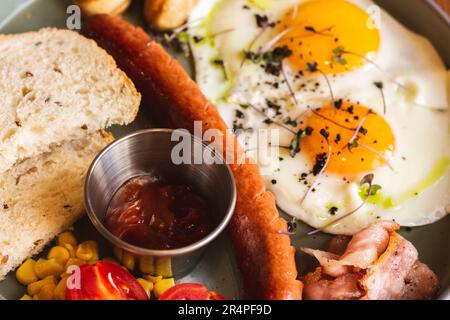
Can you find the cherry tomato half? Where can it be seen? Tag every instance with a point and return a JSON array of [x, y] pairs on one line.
[[104, 281], [190, 291]]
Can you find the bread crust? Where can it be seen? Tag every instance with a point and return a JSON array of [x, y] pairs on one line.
[[265, 257]]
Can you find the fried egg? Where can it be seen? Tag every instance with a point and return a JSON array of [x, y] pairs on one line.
[[352, 93]]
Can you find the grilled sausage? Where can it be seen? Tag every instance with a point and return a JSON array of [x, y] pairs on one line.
[[264, 255]]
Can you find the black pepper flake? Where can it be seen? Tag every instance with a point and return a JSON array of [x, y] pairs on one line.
[[312, 66], [321, 159], [268, 121], [333, 211], [338, 104], [324, 133], [218, 62], [272, 105], [18, 123], [292, 226], [338, 138], [197, 39], [309, 131], [261, 20], [5, 206], [274, 181], [351, 109], [239, 114], [84, 127], [363, 130], [378, 84], [290, 122]]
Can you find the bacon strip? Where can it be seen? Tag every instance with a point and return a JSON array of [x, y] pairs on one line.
[[265, 257], [381, 265]]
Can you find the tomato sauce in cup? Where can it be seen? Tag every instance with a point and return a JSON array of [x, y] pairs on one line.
[[152, 214]]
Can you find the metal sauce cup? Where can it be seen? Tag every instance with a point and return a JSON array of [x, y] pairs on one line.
[[148, 152]]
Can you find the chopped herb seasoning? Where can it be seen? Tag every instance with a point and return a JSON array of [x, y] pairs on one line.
[[353, 144], [272, 60], [312, 66]]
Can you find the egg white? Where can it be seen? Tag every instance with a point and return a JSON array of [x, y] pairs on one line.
[[418, 115]]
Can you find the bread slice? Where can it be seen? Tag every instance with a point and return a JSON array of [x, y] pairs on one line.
[[56, 86], [42, 196]]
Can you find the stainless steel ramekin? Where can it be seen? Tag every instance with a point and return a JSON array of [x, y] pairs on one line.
[[149, 152]]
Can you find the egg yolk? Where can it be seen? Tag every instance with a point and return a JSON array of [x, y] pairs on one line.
[[371, 147], [335, 34]]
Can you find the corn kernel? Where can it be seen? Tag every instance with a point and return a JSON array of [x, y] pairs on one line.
[[118, 253], [60, 254], [153, 279], [146, 265], [47, 292], [67, 238], [25, 274], [163, 266], [128, 261], [88, 251], [162, 285], [35, 287], [72, 250], [50, 267], [60, 290], [26, 297], [147, 285]]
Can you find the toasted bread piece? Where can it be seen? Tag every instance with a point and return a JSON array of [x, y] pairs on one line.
[[57, 86], [42, 196]]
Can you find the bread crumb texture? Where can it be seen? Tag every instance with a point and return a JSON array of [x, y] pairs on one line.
[[57, 86]]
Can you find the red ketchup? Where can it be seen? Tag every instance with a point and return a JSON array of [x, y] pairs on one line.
[[155, 215]]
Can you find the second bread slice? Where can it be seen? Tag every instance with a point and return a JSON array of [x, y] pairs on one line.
[[42, 196]]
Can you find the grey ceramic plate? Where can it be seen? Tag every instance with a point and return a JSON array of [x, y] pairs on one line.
[[217, 270]]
